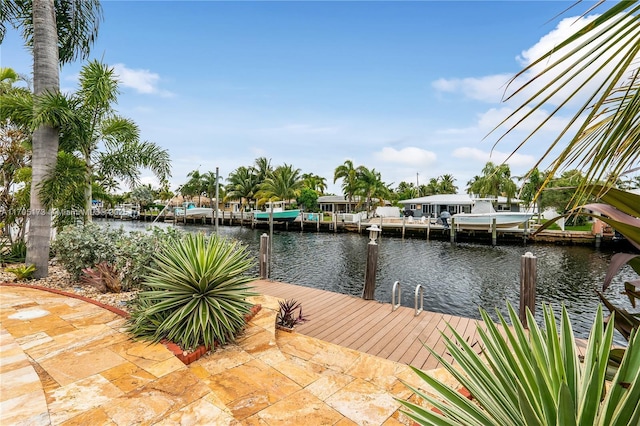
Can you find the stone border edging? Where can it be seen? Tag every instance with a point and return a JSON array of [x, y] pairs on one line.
[[185, 356]]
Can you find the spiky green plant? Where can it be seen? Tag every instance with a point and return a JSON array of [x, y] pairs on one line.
[[197, 293], [22, 272], [534, 378]]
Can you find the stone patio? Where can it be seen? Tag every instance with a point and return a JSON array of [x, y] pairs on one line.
[[64, 361]]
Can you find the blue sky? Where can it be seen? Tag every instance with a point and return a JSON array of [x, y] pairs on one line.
[[408, 88]]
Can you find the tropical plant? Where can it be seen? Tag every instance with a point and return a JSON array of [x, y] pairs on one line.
[[314, 182], [369, 185], [59, 31], [22, 272], [533, 377], [84, 246], [349, 175], [243, 185], [13, 252], [284, 184], [495, 181], [197, 294], [290, 313], [601, 136]]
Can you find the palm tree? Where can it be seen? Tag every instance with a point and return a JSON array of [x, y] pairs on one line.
[[243, 185], [446, 184], [494, 182], [87, 121], [314, 182], [194, 186], [263, 168], [530, 191], [209, 183], [284, 184], [606, 142], [347, 172], [370, 185], [59, 31]]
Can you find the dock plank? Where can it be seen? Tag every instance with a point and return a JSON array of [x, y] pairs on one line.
[[396, 335]]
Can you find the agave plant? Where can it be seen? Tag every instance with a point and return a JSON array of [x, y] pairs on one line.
[[534, 377], [197, 294]]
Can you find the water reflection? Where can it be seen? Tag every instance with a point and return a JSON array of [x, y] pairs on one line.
[[458, 279]]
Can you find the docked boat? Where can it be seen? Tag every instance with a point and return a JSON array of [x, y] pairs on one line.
[[191, 211], [482, 216], [279, 214]]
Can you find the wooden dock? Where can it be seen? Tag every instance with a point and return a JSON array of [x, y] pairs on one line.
[[372, 327]]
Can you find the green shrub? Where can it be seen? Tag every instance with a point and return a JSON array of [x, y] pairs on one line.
[[197, 293], [136, 253], [84, 246], [534, 378], [130, 255]]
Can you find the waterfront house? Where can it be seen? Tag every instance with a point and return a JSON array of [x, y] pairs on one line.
[[434, 205], [340, 204]]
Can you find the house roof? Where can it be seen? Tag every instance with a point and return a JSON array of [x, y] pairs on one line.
[[460, 199]]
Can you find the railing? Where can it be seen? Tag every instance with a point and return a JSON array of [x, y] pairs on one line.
[[419, 290], [396, 288], [396, 294]]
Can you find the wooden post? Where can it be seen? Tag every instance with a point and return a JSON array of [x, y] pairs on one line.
[[494, 232], [528, 273], [322, 213], [452, 231], [598, 240], [335, 223], [264, 256], [301, 221], [428, 226], [370, 271], [403, 218]]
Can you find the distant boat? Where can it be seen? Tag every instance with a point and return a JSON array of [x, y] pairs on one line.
[[279, 214], [483, 213], [191, 211]]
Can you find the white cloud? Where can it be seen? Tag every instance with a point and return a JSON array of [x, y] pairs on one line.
[[142, 81], [487, 89], [410, 156]]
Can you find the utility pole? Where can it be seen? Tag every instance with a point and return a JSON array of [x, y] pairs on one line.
[[217, 195]]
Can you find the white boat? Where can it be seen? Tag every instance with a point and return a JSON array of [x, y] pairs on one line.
[[482, 216], [192, 211]]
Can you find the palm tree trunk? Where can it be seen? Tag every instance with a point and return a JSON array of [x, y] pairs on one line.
[[87, 189], [45, 138]]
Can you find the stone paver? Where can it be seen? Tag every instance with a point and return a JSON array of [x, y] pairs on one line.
[[64, 361]]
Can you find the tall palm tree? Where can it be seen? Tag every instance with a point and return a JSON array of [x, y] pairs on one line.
[[88, 122], [349, 175], [284, 184], [59, 31], [606, 142], [242, 186]]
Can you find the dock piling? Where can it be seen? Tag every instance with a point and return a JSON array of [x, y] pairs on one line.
[[528, 273]]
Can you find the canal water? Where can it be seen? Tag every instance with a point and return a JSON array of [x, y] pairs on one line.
[[458, 279]]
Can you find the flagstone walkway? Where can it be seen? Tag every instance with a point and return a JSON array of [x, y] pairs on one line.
[[64, 361]]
